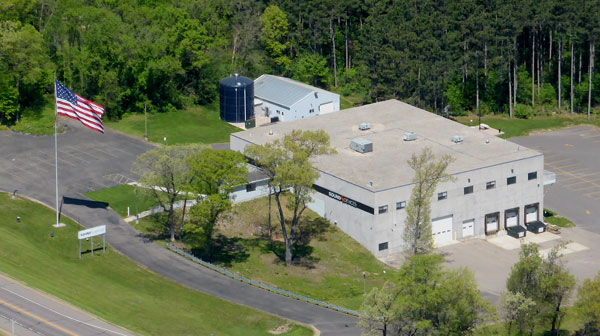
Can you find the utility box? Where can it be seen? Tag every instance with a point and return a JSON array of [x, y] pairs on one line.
[[410, 136], [458, 138], [361, 145], [250, 123]]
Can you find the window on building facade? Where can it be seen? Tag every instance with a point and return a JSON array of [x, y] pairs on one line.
[[490, 185], [511, 180], [383, 209], [250, 187], [532, 176], [468, 190], [442, 196], [383, 246], [400, 205]]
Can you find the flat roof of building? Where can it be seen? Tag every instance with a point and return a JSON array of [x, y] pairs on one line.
[[282, 91], [386, 166]]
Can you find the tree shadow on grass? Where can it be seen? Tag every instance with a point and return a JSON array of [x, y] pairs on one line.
[[224, 251]]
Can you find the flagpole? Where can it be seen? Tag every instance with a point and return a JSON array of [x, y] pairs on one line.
[[56, 151]]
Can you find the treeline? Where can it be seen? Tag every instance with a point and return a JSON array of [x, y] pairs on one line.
[[515, 57]]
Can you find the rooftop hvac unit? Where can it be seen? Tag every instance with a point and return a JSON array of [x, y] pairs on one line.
[[458, 138], [410, 136], [364, 126], [361, 145]]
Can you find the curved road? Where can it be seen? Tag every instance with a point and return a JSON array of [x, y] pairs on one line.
[[90, 161]]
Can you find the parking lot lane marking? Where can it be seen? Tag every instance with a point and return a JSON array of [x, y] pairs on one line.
[[68, 332], [582, 188], [555, 162], [578, 177], [592, 136], [568, 145], [577, 186], [104, 152], [569, 165]]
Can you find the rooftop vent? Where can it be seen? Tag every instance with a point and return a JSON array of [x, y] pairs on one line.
[[458, 138], [361, 145], [364, 126], [410, 136]]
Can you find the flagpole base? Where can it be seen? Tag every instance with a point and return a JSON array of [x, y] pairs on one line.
[[59, 225]]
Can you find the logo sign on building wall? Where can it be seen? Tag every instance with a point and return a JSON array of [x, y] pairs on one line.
[[344, 199]]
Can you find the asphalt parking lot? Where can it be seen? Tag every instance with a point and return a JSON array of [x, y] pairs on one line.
[[574, 155]]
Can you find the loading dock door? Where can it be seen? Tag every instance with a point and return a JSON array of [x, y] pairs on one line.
[[326, 108], [531, 212], [491, 223], [441, 230], [468, 228], [511, 217]]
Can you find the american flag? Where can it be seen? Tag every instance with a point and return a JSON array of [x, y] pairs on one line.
[[75, 107]]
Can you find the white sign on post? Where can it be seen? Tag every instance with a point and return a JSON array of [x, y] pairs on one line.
[[95, 231], [89, 233]]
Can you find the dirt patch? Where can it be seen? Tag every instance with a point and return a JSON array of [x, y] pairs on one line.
[[280, 330]]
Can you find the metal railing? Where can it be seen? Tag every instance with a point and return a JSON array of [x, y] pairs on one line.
[[262, 285]]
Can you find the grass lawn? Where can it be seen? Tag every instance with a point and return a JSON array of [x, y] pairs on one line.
[[197, 124], [123, 196], [521, 127], [38, 120], [553, 218], [112, 286], [329, 268]]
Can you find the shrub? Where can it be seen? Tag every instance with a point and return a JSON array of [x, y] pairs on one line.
[[523, 111]]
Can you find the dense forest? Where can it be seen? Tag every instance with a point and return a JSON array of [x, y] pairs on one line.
[[517, 57]]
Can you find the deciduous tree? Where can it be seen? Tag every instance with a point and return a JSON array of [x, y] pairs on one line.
[[164, 173], [588, 304], [429, 172], [287, 161], [215, 175]]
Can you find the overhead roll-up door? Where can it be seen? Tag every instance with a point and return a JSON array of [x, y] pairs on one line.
[[531, 212], [491, 223], [441, 230], [468, 228], [511, 217]]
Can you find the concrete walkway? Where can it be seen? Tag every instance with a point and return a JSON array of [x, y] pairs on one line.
[[90, 161]]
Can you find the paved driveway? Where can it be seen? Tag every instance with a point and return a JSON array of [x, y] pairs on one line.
[[90, 161]]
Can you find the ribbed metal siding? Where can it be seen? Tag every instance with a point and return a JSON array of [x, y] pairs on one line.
[[232, 91]]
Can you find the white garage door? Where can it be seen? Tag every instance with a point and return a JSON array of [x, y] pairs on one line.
[[531, 213], [326, 108], [441, 229], [491, 223], [468, 228], [512, 218]]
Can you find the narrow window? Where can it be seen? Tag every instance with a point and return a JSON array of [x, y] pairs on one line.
[[400, 205], [511, 180], [468, 190], [383, 209], [442, 196], [383, 246], [532, 175], [490, 185]]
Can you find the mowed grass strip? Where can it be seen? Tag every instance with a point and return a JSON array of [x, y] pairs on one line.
[[196, 124], [112, 286], [521, 127], [123, 196]]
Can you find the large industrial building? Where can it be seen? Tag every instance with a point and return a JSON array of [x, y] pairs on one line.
[[284, 99], [365, 187]]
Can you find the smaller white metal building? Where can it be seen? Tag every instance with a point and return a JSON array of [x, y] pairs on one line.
[[284, 99]]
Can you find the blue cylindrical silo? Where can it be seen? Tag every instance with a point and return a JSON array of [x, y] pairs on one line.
[[237, 98]]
